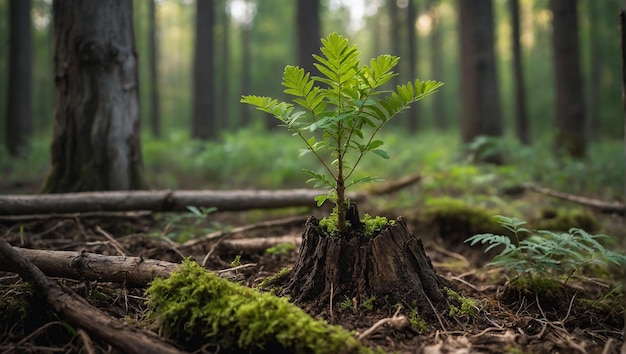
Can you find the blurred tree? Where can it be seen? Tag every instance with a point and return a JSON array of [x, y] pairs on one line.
[[222, 95], [19, 119], [246, 60], [203, 124], [96, 142], [155, 112], [413, 113], [436, 62], [570, 102], [521, 118], [480, 96], [309, 33], [394, 33]]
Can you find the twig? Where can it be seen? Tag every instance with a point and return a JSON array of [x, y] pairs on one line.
[[87, 342], [243, 266], [118, 246], [603, 206], [397, 322]]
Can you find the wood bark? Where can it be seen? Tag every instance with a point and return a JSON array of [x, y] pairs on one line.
[[164, 200], [203, 120], [480, 96], [392, 267], [19, 115], [131, 271], [78, 312], [570, 102], [96, 143]]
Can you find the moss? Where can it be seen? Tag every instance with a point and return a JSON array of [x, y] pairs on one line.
[[564, 219], [417, 322], [372, 225], [275, 279], [455, 216], [541, 286], [368, 304], [281, 249], [460, 305], [199, 308]]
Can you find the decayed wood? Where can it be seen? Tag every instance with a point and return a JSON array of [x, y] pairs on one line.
[[157, 200], [600, 205], [77, 311], [132, 271]]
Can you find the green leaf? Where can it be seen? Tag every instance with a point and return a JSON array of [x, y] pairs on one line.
[[381, 153], [374, 144]]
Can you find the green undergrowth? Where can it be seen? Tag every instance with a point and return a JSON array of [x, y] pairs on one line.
[[198, 308], [372, 224], [457, 217]]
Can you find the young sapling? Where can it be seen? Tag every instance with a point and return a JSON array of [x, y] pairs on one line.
[[341, 112]]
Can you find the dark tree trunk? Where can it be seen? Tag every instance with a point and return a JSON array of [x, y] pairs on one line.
[[394, 33], [246, 76], [521, 117], [19, 119], [203, 121], [570, 102], [413, 113], [479, 83], [225, 69], [155, 112], [436, 59], [392, 267], [96, 143], [309, 33]]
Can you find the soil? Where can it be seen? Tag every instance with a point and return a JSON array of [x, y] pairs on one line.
[[507, 320]]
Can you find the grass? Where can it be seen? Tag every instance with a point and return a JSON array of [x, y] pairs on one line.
[[255, 158]]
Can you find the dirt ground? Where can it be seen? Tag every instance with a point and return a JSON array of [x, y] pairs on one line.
[[507, 321]]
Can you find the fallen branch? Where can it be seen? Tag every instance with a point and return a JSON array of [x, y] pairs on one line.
[[132, 271], [157, 200], [600, 205], [394, 186], [78, 312]]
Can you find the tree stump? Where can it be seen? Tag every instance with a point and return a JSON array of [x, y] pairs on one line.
[[391, 266]]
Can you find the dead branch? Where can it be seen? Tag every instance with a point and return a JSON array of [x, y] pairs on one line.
[[157, 200], [80, 313], [600, 205], [132, 271], [394, 186]]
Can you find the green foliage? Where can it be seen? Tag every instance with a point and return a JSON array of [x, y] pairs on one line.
[[372, 225], [546, 253], [417, 322], [196, 306], [341, 105], [346, 304], [368, 304], [461, 306], [181, 227], [281, 249], [236, 262]]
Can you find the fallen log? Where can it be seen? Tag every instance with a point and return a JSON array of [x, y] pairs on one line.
[[131, 271], [78, 312], [158, 200], [600, 205]]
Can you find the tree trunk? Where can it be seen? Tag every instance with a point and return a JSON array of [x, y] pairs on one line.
[[246, 75], [203, 120], [479, 83], [570, 102], [391, 266], [413, 113], [19, 107], [521, 118], [155, 112], [309, 33], [224, 101], [96, 143], [436, 52]]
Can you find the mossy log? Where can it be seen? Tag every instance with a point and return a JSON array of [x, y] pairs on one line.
[[391, 266]]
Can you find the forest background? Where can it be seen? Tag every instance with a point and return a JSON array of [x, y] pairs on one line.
[[266, 31]]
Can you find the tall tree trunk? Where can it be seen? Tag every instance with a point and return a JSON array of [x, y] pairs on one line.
[[596, 64], [225, 69], [521, 117], [155, 112], [394, 33], [19, 119], [436, 60], [309, 33], [203, 120], [413, 113], [570, 102], [96, 143], [479, 83], [246, 75]]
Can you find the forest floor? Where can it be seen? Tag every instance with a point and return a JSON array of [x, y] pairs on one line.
[[506, 320]]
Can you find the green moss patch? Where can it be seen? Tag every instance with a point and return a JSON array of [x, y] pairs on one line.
[[197, 308], [455, 217], [564, 219]]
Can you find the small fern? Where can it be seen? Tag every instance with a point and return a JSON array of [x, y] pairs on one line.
[[557, 255]]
